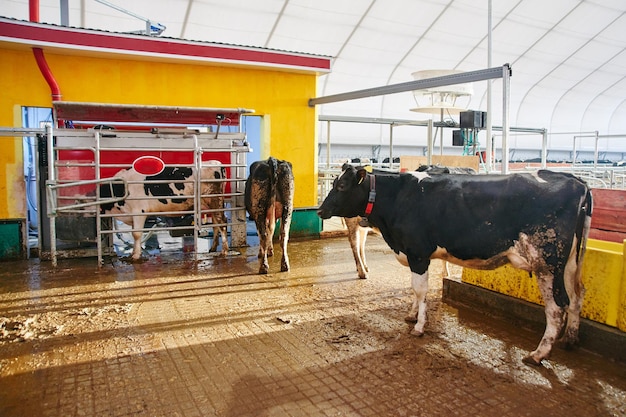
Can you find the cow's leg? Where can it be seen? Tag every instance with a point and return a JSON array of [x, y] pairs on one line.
[[554, 322], [138, 223], [219, 218], [271, 227], [219, 232], [285, 225], [356, 237], [575, 292], [419, 282], [262, 231]]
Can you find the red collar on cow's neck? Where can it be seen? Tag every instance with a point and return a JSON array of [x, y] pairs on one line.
[[372, 196]]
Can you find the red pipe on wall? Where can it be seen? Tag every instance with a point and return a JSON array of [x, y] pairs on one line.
[[47, 73], [33, 12]]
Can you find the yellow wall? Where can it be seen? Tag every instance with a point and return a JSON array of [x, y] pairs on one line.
[[279, 94]]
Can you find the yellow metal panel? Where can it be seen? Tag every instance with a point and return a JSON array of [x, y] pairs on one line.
[[603, 276], [621, 311]]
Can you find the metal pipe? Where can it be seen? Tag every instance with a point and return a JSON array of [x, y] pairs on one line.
[[595, 153], [506, 86], [429, 157], [391, 146], [544, 149], [51, 179], [328, 145], [461, 78], [489, 149]]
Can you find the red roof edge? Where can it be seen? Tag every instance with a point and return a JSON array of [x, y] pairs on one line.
[[41, 34]]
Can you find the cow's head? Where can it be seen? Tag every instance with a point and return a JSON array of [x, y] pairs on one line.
[[348, 197]]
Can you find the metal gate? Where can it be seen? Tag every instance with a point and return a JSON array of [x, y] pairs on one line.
[[81, 159]]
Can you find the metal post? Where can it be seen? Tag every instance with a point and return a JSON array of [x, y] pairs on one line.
[[429, 157], [441, 134], [391, 146], [328, 144], [595, 153], [51, 180], [489, 149], [96, 161], [574, 152], [544, 150], [506, 86], [197, 203]]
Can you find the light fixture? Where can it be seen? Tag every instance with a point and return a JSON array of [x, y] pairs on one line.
[[449, 99]]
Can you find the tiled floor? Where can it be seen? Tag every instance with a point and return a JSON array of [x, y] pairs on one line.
[[172, 337]]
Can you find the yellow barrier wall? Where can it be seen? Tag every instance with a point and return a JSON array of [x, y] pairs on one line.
[[109, 79], [604, 278]]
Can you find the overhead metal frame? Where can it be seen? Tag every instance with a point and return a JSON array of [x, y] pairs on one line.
[[503, 72]]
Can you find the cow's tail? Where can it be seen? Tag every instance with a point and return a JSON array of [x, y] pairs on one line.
[[582, 233], [584, 224], [273, 165]]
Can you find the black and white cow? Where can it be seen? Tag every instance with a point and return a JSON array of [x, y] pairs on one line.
[[269, 197], [536, 222], [175, 188], [357, 234]]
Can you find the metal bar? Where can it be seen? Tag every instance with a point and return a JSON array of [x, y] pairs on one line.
[[489, 147], [391, 146], [51, 178], [429, 157], [96, 160], [595, 152], [544, 150], [18, 131], [506, 91], [328, 144], [464, 77], [375, 120]]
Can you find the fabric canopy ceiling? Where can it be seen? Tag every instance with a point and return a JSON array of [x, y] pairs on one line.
[[568, 57]]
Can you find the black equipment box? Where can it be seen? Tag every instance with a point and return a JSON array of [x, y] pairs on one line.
[[473, 119], [457, 138]]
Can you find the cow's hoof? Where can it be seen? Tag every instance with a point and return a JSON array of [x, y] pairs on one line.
[[410, 319], [529, 360], [284, 268], [364, 276], [416, 333], [263, 271]]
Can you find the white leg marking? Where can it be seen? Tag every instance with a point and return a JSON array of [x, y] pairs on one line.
[[419, 282], [138, 223]]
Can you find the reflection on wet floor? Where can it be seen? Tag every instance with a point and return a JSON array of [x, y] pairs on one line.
[[170, 336]]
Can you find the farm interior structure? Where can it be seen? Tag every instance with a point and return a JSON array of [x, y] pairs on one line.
[[87, 331]]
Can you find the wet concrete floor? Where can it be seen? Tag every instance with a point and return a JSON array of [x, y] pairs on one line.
[[172, 337]]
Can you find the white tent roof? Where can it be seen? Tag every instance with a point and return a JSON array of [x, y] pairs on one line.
[[568, 56]]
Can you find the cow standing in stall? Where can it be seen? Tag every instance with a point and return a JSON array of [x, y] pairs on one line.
[[175, 190], [357, 234], [269, 197], [536, 222]]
